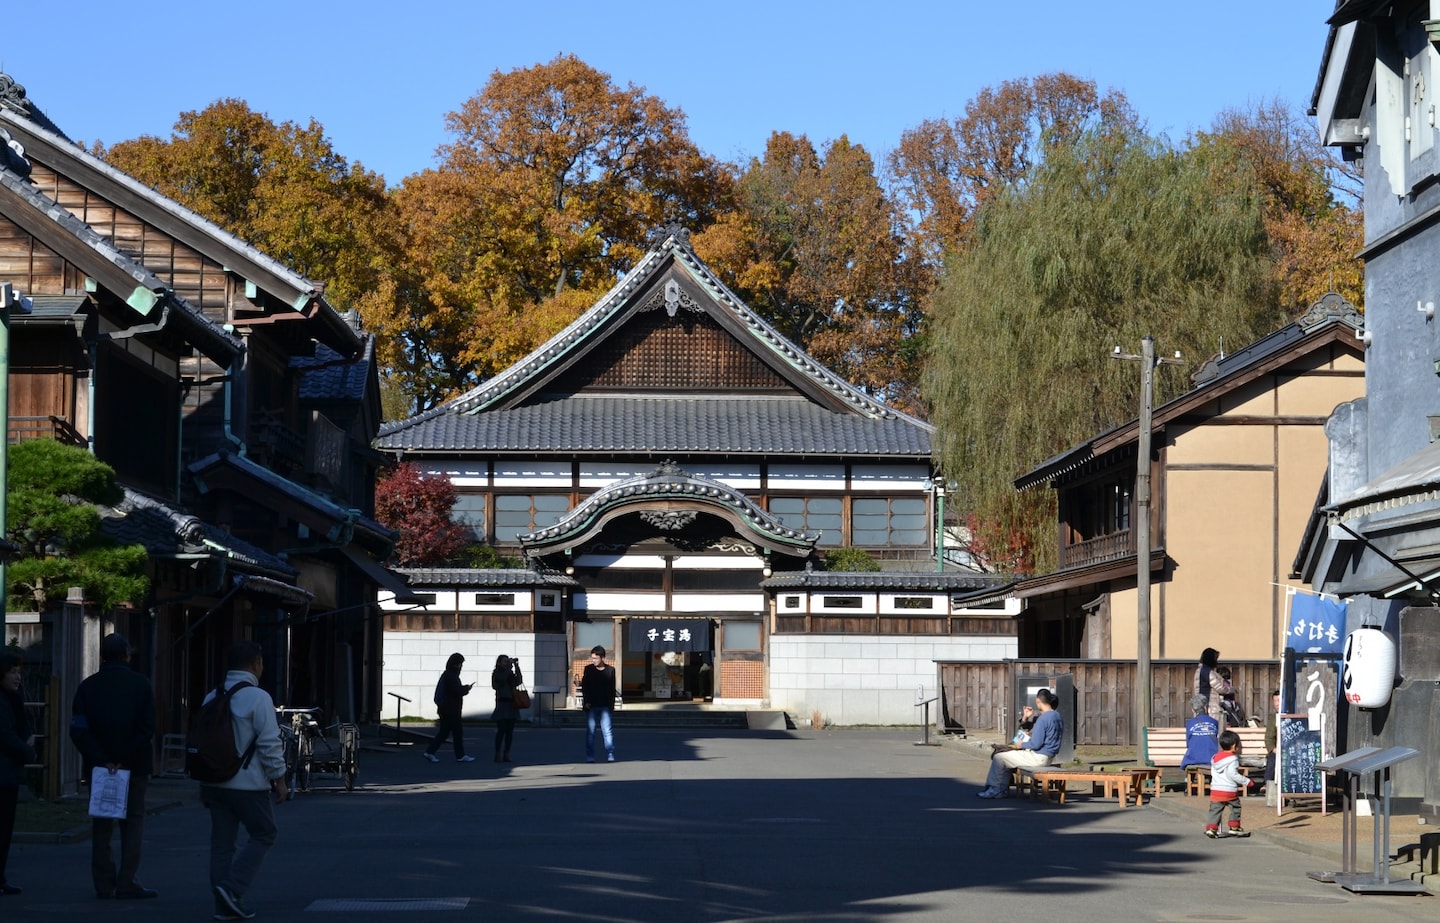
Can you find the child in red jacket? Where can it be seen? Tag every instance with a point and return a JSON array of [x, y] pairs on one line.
[[1225, 782]]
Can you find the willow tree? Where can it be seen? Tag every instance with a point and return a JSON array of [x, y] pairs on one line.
[[1104, 241]]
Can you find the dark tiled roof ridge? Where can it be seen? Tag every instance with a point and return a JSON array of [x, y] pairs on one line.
[[675, 245]]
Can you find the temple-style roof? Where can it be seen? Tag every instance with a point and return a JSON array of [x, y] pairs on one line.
[[546, 402]]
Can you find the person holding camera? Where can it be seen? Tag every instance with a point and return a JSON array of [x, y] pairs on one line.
[[504, 680]]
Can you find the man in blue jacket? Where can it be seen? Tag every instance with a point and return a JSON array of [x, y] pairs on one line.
[[1201, 732], [1045, 740], [112, 724]]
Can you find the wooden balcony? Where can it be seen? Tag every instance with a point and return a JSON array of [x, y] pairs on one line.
[[1110, 547]]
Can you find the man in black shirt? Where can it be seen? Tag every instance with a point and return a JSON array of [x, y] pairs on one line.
[[112, 724], [597, 695]]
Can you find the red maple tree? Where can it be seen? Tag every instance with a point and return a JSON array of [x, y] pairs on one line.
[[418, 506]]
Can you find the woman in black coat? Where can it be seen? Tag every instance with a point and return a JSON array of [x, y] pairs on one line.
[[17, 748], [450, 696], [504, 680]]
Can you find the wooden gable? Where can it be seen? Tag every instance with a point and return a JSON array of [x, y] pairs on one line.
[[655, 352]]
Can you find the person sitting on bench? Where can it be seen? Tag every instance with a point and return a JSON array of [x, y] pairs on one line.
[[1040, 750], [1200, 734]]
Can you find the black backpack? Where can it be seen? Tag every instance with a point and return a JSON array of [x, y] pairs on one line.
[[210, 754]]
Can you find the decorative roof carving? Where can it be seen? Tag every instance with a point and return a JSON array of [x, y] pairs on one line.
[[669, 520], [12, 96], [1331, 306]]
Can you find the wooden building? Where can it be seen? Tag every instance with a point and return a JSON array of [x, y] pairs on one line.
[[1234, 466], [672, 469], [235, 404]]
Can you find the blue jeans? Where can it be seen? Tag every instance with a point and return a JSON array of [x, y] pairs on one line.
[[229, 810], [593, 715]]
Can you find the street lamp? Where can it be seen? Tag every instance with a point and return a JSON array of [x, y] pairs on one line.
[[1144, 703]]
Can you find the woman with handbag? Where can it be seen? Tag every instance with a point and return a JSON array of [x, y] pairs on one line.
[[506, 680]]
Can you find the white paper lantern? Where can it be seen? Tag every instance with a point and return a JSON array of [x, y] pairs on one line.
[[1369, 668]]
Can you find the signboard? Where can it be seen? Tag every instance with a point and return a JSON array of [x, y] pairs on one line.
[[1298, 753], [668, 635], [1316, 624]]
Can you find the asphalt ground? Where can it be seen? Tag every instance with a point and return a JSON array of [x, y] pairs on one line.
[[701, 825]]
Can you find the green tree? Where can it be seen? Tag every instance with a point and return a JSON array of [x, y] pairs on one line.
[[1106, 240], [54, 496], [553, 182]]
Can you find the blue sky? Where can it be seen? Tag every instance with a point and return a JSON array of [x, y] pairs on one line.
[[380, 77]]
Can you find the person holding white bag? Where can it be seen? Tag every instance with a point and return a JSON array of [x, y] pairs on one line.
[[112, 724]]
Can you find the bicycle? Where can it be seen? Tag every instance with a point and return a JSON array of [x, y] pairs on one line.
[[300, 737], [297, 733]]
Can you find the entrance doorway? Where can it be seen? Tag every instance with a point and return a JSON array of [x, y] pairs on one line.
[[667, 660]]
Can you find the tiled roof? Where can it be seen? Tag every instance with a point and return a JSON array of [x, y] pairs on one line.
[[1332, 316], [600, 425], [717, 299], [166, 531], [948, 582], [435, 577], [330, 376]]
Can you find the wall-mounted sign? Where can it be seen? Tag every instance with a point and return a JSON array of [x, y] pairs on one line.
[[668, 635]]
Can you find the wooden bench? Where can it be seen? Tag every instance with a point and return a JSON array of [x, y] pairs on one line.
[[1164, 747], [1120, 784]]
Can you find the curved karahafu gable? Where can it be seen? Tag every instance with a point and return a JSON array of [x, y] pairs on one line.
[[669, 491]]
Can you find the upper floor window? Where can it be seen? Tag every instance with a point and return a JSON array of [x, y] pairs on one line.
[[881, 521], [1103, 508], [517, 514], [812, 514], [469, 511]]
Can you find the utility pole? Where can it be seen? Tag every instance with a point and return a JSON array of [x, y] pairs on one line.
[[1144, 700]]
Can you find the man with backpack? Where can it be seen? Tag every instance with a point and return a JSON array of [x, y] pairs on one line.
[[246, 798]]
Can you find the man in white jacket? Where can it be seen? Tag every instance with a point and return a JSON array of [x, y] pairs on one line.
[[249, 798]]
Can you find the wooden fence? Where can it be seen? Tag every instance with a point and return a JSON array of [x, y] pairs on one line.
[[980, 695]]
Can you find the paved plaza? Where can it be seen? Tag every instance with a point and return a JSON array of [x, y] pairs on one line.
[[705, 825]]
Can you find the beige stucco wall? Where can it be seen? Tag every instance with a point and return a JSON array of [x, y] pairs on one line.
[[1237, 496]]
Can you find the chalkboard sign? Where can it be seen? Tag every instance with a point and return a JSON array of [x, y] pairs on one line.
[[1298, 752]]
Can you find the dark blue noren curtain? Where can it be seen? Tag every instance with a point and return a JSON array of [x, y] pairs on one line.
[[669, 635]]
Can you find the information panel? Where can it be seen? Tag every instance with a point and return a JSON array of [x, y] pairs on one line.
[[1299, 749]]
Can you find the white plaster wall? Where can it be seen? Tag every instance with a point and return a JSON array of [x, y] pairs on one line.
[[867, 679], [414, 661]]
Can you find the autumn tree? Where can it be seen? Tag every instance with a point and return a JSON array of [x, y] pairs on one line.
[[281, 188], [814, 245], [943, 170], [1107, 240], [549, 190], [1311, 200], [419, 506], [55, 493]]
